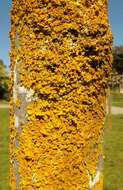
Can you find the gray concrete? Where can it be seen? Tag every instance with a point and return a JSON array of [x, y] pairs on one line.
[[116, 110]]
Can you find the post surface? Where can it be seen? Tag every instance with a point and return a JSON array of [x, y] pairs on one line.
[[60, 63]]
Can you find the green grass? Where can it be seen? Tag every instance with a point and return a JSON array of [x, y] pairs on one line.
[[113, 171], [3, 102], [117, 99], [4, 149]]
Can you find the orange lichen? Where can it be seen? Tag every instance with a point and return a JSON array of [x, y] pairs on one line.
[[60, 64]]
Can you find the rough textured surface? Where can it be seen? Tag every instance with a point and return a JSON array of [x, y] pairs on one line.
[[60, 63]]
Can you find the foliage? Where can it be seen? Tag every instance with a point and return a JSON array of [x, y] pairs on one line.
[[60, 64], [117, 67], [115, 80], [3, 81], [118, 59]]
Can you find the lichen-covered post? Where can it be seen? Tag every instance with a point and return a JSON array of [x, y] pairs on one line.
[[60, 64]]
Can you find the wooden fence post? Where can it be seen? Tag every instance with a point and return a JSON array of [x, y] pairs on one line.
[[60, 64]]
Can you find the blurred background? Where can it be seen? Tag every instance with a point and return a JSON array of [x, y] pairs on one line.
[[113, 139]]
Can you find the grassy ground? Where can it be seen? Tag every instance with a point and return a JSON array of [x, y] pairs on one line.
[[113, 170], [3, 149], [3, 102], [117, 99]]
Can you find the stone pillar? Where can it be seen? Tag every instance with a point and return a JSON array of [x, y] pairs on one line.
[[60, 63]]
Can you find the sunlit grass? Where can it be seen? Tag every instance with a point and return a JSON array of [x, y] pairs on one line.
[[4, 149], [113, 171], [117, 99]]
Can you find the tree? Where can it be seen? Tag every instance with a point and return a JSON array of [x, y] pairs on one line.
[[3, 81], [60, 65], [118, 59], [116, 79]]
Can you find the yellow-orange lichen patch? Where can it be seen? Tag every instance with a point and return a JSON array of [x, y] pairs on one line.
[[60, 64]]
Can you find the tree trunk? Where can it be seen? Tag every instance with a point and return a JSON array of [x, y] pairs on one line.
[[60, 64]]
